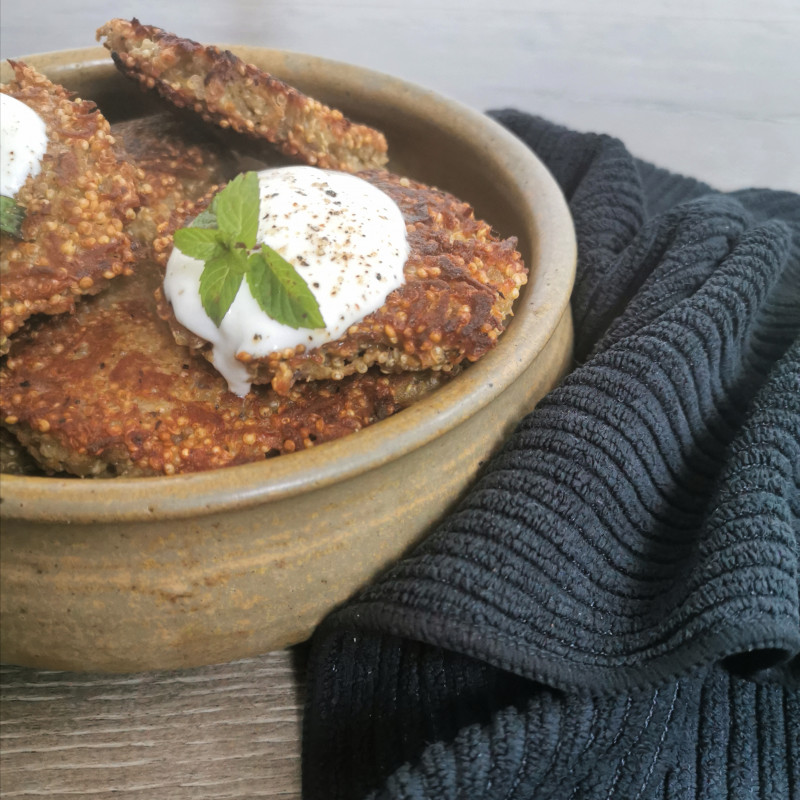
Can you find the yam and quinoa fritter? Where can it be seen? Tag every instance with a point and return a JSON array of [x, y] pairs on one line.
[[107, 391], [233, 94], [175, 162], [461, 282], [73, 236]]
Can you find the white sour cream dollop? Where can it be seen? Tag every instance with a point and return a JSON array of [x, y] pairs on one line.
[[23, 142], [346, 239]]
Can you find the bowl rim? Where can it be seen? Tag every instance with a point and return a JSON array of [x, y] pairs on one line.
[[246, 485]]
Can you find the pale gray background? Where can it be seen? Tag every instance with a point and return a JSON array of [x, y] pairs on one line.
[[705, 87], [710, 88]]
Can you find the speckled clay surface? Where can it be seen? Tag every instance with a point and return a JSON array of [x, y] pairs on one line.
[[134, 574]]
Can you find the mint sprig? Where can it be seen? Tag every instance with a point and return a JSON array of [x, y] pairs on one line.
[[12, 216], [280, 291], [223, 237]]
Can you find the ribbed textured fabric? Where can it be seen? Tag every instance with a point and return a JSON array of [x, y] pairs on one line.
[[612, 611]]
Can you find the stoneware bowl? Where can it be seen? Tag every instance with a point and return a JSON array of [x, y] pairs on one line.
[[133, 574]]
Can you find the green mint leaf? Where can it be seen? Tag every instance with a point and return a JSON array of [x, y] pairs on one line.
[[281, 291], [202, 243], [207, 218], [11, 216], [222, 237], [220, 281], [237, 208]]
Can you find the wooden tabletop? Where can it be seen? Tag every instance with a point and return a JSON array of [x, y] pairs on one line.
[[227, 731], [704, 87]]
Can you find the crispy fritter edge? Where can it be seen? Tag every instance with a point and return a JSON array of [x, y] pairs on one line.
[[225, 90]]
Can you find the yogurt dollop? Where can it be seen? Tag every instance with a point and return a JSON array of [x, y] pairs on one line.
[[345, 237], [23, 142]]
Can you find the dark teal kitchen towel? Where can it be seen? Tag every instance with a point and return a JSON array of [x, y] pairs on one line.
[[612, 612]]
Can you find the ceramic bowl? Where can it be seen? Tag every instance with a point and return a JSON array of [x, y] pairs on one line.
[[132, 574]]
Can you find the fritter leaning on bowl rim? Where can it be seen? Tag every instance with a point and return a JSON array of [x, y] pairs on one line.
[[230, 93]]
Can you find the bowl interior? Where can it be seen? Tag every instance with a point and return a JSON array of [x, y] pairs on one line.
[[432, 139]]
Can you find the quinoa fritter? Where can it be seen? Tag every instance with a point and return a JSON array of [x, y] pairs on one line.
[[109, 392], [175, 162], [461, 282], [233, 94], [73, 236]]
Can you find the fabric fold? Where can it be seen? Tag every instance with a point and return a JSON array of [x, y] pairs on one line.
[[613, 609]]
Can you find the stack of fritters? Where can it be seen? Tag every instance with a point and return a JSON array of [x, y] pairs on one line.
[[110, 390], [73, 235], [107, 391]]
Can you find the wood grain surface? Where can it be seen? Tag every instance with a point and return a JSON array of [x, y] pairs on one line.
[[704, 87], [228, 731]]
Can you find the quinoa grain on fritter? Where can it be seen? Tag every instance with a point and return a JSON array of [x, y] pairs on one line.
[[233, 94], [176, 162], [73, 238]]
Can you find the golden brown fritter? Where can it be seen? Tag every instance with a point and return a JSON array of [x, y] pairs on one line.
[[108, 392], [73, 236], [233, 94], [461, 282], [176, 161]]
